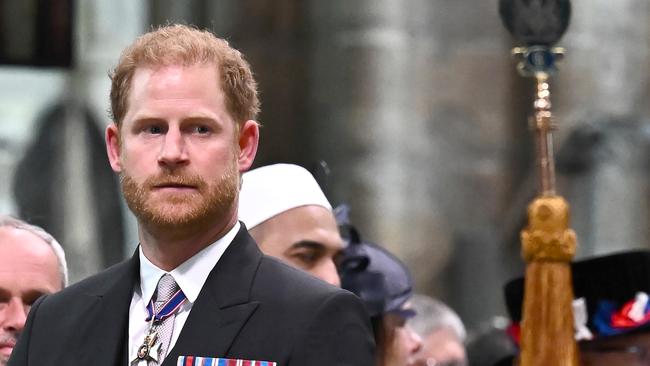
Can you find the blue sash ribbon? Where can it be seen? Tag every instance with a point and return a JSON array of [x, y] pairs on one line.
[[168, 308]]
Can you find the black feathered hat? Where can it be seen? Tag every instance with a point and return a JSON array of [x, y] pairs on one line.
[[380, 279], [611, 292]]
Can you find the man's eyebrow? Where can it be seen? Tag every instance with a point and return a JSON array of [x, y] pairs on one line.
[[30, 294], [198, 118], [308, 244], [201, 119], [33, 294], [147, 120]]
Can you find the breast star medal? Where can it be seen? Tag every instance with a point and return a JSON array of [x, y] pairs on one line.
[[149, 349]]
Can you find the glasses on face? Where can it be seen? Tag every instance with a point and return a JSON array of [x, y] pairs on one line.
[[618, 355]]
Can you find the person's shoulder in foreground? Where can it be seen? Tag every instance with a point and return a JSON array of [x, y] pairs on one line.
[[324, 324], [271, 312]]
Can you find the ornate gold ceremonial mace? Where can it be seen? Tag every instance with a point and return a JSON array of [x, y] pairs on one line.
[[548, 244]]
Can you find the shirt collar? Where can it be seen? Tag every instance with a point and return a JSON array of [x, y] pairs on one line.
[[191, 274]]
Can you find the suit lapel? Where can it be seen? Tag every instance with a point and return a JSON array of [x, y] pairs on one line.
[[108, 317], [223, 305]]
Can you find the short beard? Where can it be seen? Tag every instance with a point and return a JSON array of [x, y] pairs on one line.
[[182, 215], [6, 337]]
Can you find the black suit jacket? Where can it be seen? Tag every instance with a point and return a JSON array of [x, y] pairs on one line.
[[251, 307]]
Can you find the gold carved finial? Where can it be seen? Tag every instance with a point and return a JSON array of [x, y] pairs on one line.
[[548, 236]]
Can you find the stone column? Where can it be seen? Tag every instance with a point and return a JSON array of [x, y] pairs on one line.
[[103, 29], [408, 106], [603, 86]]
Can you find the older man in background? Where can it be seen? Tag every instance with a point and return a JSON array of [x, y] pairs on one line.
[[32, 263], [290, 218], [442, 333]]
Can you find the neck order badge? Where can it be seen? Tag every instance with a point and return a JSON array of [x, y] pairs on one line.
[[151, 347]]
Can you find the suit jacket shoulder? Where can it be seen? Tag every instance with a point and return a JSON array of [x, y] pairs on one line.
[[311, 321], [251, 307]]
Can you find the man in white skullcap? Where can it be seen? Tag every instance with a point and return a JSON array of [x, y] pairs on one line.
[[290, 218]]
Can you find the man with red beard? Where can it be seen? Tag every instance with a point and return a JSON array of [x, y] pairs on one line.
[[32, 263], [198, 291]]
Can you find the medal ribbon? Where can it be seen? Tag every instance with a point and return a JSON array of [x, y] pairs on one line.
[[168, 308]]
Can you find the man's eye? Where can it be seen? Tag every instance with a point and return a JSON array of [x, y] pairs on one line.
[[308, 258], [201, 130], [154, 130]]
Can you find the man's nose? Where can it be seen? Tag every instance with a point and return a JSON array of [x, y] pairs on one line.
[[173, 151], [14, 316], [415, 341]]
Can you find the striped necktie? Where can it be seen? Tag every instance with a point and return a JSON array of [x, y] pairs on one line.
[[166, 289]]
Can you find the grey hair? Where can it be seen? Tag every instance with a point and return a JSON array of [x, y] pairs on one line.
[[433, 315], [13, 222]]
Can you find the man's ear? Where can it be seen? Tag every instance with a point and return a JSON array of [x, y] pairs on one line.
[[249, 136], [113, 151]]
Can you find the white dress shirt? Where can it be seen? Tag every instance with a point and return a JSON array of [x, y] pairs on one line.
[[190, 276]]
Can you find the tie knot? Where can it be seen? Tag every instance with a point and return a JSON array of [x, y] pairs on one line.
[[166, 288]]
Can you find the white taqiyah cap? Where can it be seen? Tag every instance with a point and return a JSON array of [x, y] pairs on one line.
[[270, 190]]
